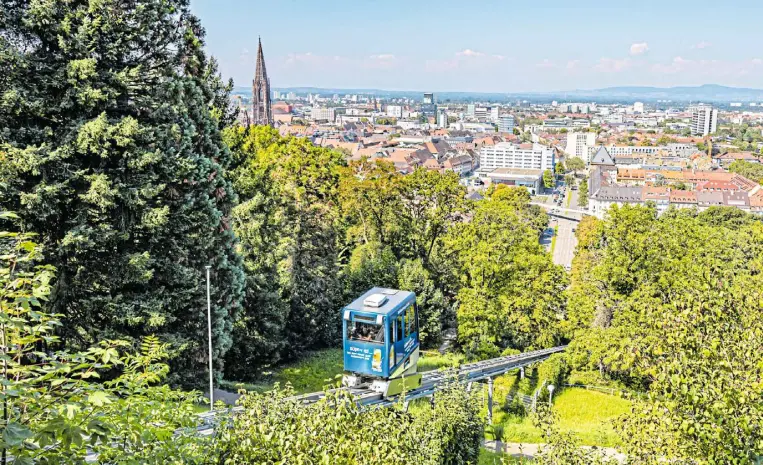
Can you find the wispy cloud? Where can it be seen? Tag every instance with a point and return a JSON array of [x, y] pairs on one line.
[[702, 45], [639, 48], [383, 57], [610, 65], [469, 53], [545, 64]]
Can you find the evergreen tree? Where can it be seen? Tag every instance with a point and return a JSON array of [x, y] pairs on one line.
[[288, 224], [112, 153]]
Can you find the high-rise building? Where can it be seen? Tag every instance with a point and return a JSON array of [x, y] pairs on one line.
[[261, 113], [428, 107], [442, 119], [638, 107], [579, 144], [704, 120], [494, 114], [506, 124], [470, 109]]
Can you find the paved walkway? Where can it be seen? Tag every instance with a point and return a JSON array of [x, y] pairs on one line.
[[529, 451]]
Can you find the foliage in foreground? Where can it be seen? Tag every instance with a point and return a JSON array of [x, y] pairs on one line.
[[57, 409], [335, 430]]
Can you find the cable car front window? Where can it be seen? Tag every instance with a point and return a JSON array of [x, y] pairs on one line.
[[365, 332]]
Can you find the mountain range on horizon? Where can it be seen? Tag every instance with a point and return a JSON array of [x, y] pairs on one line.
[[710, 93]]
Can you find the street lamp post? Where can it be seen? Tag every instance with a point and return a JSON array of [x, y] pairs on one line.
[[209, 336]]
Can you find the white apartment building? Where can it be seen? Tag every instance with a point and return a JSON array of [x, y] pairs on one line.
[[395, 111], [323, 114], [442, 119], [494, 114], [638, 107], [704, 120], [580, 144], [508, 155], [506, 123]]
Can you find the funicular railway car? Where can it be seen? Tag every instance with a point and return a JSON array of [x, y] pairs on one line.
[[381, 342]]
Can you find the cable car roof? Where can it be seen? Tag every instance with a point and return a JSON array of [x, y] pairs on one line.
[[395, 300]]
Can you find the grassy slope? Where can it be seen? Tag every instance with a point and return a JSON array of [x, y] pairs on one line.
[[587, 414]]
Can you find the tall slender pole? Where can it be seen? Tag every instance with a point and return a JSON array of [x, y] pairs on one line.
[[209, 335]]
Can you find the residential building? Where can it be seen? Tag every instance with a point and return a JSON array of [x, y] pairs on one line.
[[508, 155], [323, 114], [638, 107], [428, 98], [395, 111], [506, 124], [494, 114], [704, 120], [470, 110], [442, 119], [579, 144]]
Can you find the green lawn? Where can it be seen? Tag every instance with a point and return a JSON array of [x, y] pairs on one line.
[[587, 414], [320, 369]]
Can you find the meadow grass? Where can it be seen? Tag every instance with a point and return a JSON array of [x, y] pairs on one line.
[[587, 414]]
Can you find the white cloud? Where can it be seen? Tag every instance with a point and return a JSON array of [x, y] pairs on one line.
[[469, 53], [572, 64], [639, 48], [545, 64], [383, 57], [702, 45], [677, 65], [756, 61], [499, 57], [610, 65]]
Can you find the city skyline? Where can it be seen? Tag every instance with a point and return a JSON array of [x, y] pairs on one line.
[[496, 48]]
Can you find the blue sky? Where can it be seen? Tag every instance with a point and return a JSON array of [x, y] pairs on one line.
[[488, 45]]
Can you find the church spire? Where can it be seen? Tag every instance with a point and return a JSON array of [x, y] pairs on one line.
[[261, 112]]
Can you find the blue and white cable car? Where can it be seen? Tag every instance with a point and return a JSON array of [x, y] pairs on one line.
[[381, 342]]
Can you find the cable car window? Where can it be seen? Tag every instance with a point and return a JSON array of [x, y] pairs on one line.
[[410, 317], [399, 329], [365, 332]]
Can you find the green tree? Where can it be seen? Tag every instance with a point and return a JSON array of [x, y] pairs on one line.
[[548, 179], [583, 193], [290, 229], [752, 171], [113, 154], [435, 311], [559, 168], [575, 164], [510, 292]]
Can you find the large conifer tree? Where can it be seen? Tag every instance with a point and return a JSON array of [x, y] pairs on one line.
[[111, 151]]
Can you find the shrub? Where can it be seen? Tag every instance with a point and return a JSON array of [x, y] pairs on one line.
[[274, 428], [554, 370]]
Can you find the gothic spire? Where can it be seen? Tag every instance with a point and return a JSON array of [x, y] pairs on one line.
[[261, 112]]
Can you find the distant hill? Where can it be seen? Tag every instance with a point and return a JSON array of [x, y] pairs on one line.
[[710, 93]]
